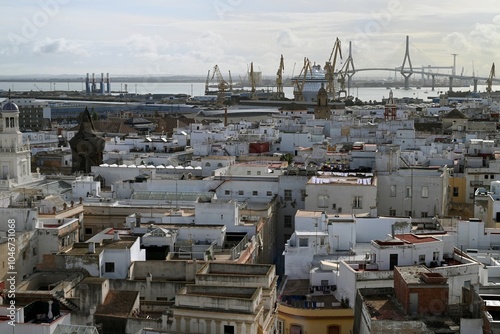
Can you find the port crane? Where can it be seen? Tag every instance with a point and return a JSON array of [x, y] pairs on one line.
[[230, 81], [279, 79], [489, 81], [301, 79], [222, 85], [330, 67]]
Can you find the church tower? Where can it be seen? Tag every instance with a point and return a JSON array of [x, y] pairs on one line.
[[15, 157], [322, 109], [390, 108]]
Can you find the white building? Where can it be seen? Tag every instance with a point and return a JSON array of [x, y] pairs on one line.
[[342, 193], [15, 157], [413, 192]]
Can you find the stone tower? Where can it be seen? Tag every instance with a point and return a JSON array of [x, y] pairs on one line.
[[86, 146], [322, 110]]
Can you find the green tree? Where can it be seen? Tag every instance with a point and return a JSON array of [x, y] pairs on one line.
[[288, 157]]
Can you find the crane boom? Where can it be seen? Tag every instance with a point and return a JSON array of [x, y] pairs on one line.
[[300, 81], [222, 85], [330, 67], [489, 81], [279, 79]]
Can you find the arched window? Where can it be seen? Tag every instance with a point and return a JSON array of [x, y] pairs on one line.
[[207, 164], [219, 164]]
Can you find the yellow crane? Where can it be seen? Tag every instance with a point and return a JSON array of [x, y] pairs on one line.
[[279, 80], [330, 68], [489, 81], [222, 85], [301, 79]]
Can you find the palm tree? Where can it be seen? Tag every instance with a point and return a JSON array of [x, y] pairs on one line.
[[288, 157]]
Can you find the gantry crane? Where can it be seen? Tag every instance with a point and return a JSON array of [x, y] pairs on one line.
[[279, 80], [301, 79], [330, 68], [489, 81], [222, 86]]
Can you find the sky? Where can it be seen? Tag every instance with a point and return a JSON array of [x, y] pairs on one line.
[[171, 37]]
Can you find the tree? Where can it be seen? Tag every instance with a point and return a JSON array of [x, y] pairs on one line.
[[287, 157]]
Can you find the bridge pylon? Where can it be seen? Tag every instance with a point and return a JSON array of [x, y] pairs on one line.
[[349, 69], [406, 73]]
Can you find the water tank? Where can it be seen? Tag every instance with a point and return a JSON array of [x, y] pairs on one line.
[[495, 187]]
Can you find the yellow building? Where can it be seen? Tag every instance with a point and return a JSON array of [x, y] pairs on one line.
[[458, 189], [304, 312]]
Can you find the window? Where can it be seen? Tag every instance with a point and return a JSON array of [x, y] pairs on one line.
[[280, 329], [109, 267], [357, 202], [219, 165], [255, 193], [486, 177], [296, 329], [288, 221], [241, 192], [408, 213], [88, 230], [288, 194], [492, 176], [207, 164], [455, 191], [435, 256], [259, 172], [408, 192], [421, 259], [423, 214], [227, 192], [393, 191], [425, 192], [392, 213], [249, 172], [228, 329], [322, 201], [303, 242], [269, 193], [334, 206]]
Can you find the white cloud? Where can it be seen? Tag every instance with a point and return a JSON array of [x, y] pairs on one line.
[[457, 42], [287, 39], [141, 44], [59, 46]]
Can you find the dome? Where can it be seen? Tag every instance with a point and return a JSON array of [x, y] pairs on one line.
[[10, 106]]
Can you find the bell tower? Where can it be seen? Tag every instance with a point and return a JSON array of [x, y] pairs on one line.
[[15, 157]]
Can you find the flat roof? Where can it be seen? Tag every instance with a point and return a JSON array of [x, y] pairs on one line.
[[415, 239]]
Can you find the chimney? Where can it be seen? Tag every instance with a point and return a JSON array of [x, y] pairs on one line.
[[392, 231], [116, 236], [138, 219], [91, 247]]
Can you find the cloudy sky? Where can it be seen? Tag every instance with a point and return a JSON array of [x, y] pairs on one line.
[[168, 37]]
